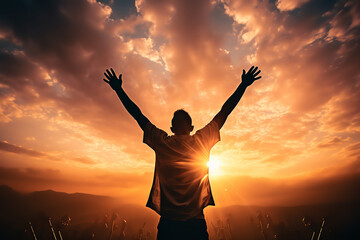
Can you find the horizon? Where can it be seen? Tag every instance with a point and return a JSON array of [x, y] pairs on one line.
[[118, 201]]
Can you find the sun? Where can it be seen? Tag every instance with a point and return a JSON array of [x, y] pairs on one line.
[[214, 165]]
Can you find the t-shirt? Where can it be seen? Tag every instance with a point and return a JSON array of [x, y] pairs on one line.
[[181, 187]]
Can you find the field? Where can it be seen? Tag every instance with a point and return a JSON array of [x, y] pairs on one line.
[[49, 214]]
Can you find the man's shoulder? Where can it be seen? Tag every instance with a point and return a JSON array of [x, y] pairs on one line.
[[211, 126], [153, 135], [208, 135]]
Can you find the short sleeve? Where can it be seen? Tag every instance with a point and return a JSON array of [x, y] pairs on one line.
[[209, 135], [153, 136]]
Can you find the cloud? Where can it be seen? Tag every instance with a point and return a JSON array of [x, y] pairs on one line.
[[312, 72], [192, 53], [62, 69], [301, 116], [85, 160], [12, 148], [64, 73], [353, 150], [286, 5], [335, 141], [294, 48], [4, 146]]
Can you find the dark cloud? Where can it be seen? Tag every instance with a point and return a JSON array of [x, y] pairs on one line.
[[66, 42], [330, 143], [7, 147], [4, 146], [353, 147], [353, 150]]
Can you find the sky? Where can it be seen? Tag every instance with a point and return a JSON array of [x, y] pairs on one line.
[[293, 138]]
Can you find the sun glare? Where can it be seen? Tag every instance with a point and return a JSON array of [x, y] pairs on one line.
[[214, 165]]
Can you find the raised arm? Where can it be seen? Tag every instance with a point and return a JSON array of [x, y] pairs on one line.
[[116, 84], [247, 79]]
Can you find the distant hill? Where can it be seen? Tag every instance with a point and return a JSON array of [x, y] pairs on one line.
[[16, 210], [14, 204], [92, 215]]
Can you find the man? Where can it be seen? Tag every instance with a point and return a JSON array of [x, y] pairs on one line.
[[181, 188]]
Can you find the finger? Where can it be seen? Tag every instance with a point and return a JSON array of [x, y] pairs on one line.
[[257, 78], [252, 67], [107, 76], [257, 73], [106, 81], [254, 70], [107, 70], [243, 72], [113, 72]]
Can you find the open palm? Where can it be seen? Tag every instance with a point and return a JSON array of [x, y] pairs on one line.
[[251, 76], [114, 82]]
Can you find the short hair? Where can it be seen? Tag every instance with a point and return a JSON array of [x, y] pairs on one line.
[[181, 118]]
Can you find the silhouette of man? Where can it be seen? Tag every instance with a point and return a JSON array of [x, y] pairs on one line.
[[181, 187]]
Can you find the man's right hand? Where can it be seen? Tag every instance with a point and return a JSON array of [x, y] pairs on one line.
[[114, 82], [250, 77]]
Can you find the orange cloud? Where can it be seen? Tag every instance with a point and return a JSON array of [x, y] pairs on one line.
[[4, 146]]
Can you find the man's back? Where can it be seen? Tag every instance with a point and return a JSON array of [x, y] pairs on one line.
[[181, 187]]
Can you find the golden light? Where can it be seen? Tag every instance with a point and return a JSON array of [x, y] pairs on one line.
[[214, 165]]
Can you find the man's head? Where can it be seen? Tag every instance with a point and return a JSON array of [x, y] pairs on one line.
[[181, 123]]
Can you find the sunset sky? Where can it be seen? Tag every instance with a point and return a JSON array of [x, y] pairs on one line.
[[293, 139]]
